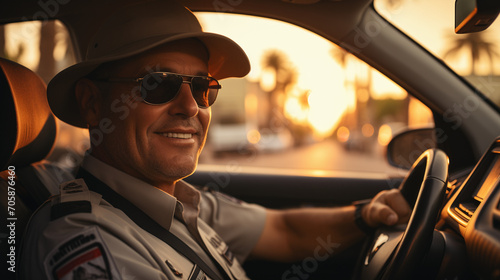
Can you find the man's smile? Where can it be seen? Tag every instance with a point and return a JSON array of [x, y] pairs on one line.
[[177, 135]]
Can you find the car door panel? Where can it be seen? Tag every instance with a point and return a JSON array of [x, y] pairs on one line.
[[289, 190]]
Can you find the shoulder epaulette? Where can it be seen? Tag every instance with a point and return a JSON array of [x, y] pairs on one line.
[[74, 198]]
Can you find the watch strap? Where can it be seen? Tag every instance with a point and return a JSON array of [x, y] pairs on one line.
[[358, 217]]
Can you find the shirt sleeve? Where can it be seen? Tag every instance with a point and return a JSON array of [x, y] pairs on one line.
[[240, 224]]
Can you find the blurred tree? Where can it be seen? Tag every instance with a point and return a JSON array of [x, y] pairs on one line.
[[284, 77], [341, 56], [389, 109], [3, 47], [362, 86], [47, 63], [476, 44], [368, 110]]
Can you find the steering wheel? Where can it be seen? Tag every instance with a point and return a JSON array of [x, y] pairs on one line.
[[394, 252]]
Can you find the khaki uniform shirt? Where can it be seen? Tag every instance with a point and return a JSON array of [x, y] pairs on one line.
[[106, 244]]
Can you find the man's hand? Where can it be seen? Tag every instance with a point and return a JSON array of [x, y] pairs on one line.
[[386, 208], [292, 235]]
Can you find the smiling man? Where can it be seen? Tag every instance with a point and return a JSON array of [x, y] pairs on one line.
[[144, 92], [162, 139]]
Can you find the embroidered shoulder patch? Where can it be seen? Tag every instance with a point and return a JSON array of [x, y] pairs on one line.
[[82, 256]]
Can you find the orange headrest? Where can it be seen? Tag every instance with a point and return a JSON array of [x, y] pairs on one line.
[[27, 124]]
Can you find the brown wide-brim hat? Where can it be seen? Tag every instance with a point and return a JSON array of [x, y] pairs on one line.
[[133, 30]]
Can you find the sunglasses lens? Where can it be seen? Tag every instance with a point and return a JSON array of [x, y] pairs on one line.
[[158, 88], [205, 91]]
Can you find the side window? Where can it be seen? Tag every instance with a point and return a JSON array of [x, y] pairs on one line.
[[45, 48], [42, 46], [306, 104], [474, 56]]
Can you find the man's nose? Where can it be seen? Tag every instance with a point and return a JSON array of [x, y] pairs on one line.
[[184, 103]]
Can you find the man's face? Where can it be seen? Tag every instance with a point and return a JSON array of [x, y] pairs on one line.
[[159, 144]]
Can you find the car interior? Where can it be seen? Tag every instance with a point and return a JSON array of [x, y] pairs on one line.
[[449, 173]]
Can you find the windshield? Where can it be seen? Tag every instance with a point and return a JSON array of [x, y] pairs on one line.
[[473, 56]]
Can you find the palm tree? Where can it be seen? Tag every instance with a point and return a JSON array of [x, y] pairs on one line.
[[362, 87], [285, 75], [47, 63], [476, 44]]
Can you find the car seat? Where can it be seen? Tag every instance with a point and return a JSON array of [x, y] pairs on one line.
[[28, 135]]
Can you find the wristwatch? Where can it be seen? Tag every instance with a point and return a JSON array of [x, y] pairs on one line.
[[358, 217]]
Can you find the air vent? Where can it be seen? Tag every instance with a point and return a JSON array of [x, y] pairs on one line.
[[477, 188], [468, 208], [465, 210]]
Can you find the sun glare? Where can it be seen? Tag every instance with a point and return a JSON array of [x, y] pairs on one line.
[[326, 111], [322, 78], [295, 111]]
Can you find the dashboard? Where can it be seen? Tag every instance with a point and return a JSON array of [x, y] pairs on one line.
[[474, 212]]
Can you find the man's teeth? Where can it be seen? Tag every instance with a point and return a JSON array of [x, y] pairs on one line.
[[178, 135]]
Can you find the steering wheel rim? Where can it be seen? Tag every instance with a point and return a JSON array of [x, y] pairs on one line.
[[394, 252]]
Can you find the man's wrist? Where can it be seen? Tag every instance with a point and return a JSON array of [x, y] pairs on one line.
[[358, 217]]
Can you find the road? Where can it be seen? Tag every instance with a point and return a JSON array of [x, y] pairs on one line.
[[326, 155]]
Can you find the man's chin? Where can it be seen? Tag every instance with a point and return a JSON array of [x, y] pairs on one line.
[[180, 172]]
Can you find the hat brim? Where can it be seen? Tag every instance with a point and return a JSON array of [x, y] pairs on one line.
[[226, 59]]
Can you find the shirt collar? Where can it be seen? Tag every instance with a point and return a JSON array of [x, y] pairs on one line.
[[156, 203]]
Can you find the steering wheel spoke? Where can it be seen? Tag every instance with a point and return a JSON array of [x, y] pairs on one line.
[[394, 252]]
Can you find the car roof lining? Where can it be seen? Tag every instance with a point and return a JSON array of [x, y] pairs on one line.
[[75, 13]]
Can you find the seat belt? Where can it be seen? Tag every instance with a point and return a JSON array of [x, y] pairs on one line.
[[147, 223]]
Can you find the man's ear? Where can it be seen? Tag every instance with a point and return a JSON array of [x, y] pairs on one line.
[[89, 100]]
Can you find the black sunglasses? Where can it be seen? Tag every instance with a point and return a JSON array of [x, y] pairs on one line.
[[158, 88]]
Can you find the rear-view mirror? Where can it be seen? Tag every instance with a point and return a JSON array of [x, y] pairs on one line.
[[475, 15]]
